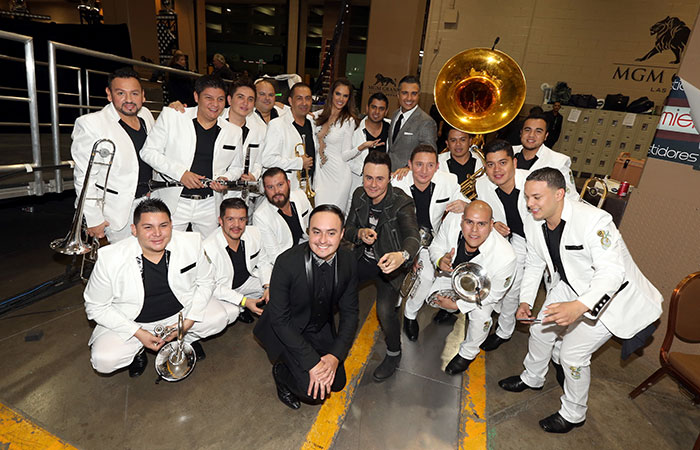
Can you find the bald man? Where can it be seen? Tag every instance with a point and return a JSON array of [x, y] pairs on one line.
[[471, 237]]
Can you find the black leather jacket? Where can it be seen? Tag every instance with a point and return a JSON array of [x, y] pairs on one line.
[[397, 228]]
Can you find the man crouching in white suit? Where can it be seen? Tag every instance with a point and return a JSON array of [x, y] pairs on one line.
[[144, 281]]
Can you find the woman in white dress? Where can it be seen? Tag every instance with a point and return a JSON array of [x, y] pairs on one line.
[[337, 122]]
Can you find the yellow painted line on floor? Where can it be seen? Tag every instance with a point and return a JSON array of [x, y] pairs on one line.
[[332, 414], [472, 417], [17, 432]]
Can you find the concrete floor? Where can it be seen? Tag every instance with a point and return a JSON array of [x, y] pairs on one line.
[[229, 401]]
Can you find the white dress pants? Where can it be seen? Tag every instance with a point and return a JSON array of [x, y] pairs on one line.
[[252, 288], [426, 278], [201, 214], [578, 342], [110, 352], [114, 236], [477, 331], [510, 302]]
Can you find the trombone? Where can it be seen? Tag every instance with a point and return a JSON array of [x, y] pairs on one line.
[[74, 243], [299, 151]]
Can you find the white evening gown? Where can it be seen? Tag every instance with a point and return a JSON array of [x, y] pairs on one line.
[[332, 180]]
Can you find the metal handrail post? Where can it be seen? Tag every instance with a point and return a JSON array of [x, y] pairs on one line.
[[55, 139], [80, 90], [33, 113]]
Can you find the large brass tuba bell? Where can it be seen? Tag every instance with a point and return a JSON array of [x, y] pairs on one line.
[[479, 91]]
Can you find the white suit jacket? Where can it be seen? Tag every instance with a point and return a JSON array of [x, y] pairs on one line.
[[123, 176], [356, 158], [274, 230], [597, 264], [253, 142], [114, 294], [280, 140], [446, 190], [496, 256], [546, 157], [486, 191], [257, 261], [444, 156], [170, 149]]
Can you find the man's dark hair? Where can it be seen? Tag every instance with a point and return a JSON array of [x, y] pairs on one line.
[[241, 83], [150, 205], [553, 178], [540, 116], [232, 203], [208, 81], [298, 85], [536, 110], [410, 79], [124, 72], [272, 171], [423, 148], [447, 128], [378, 157], [497, 146], [378, 96], [331, 209]]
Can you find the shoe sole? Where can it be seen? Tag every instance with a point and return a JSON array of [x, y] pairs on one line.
[[573, 425]]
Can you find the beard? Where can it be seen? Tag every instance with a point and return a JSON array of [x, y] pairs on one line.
[[122, 110], [278, 203]]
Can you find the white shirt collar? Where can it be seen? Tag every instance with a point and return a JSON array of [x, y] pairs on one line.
[[407, 114]]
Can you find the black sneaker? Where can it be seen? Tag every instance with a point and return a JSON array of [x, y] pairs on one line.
[[138, 365], [199, 351]]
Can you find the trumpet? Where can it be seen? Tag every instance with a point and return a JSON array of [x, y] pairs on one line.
[[74, 243], [469, 282], [175, 360], [300, 150]]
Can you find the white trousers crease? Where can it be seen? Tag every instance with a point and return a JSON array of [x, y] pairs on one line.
[[510, 302], [477, 331], [426, 278], [200, 213]]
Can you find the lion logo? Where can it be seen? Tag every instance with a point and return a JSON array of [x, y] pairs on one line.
[[671, 34], [384, 81]]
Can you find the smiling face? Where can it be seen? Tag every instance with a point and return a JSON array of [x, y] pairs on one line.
[[500, 168], [325, 234], [277, 189], [300, 102], [423, 166], [543, 202], [242, 101], [265, 99], [458, 143], [376, 111], [153, 231], [341, 95], [126, 95], [476, 224], [533, 134], [408, 95], [233, 223], [375, 181], [210, 103]]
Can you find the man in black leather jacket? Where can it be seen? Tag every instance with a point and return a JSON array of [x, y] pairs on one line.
[[382, 226]]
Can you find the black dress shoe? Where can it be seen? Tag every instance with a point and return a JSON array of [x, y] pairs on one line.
[[245, 316], [138, 365], [557, 424], [492, 342], [198, 351], [444, 315], [387, 368], [283, 393], [457, 365], [560, 374], [516, 384], [410, 327]]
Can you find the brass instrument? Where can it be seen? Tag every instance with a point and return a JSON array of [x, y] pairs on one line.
[[175, 360], [412, 279], [479, 91], [599, 189], [74, 243], [305, 180], [469, 282]]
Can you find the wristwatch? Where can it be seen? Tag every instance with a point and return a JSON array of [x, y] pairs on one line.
[[406, 255]]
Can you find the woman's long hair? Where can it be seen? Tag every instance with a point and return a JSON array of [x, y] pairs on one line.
[[348, 111]]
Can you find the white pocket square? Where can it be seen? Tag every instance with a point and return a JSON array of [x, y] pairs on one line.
[[406, 133]]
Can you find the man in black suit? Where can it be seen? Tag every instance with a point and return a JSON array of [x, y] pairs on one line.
[[297, 329]]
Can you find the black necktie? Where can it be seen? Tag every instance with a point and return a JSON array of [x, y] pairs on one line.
[[397, 127]]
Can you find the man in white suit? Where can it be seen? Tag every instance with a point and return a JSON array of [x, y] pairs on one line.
[[287, 131], [471, 237], [283, 217], [503, 189], [533, 154], [266, 106], [126, 123], [192, 147], [434, 193], [595, 291], [242, 267], [144, 281], [458, 157]]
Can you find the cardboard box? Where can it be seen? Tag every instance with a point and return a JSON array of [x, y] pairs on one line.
[[628, 169]]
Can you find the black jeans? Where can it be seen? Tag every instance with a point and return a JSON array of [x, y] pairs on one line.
[[387, 297]]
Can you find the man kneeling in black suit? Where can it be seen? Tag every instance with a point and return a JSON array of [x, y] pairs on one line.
[[297, 329]]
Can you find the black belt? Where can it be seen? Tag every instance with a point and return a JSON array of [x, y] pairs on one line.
[[195, 196]]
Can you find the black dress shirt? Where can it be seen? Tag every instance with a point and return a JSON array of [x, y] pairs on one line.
[[159, 302], [321, 303], [293, 223], [553, 240], [203, 156], [138, 138], [240, 269], [463, 255], [383, 136], [422, 201], [510, 205], [462, 170], [523, 163]]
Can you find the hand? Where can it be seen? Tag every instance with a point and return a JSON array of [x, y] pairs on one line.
[[318, 376], [98, 231], [332, 363], [308, 162], [524, 312], [391, 261], [177, 106], [446, 302], [456, 206], [191, 180], [219, 187], [370, 144], [266, 295], [445, 263], [502, 228], [400, 173], [149, 340], [564, 313], [186, 325], [248, 177], [251, 304], [367, 235]]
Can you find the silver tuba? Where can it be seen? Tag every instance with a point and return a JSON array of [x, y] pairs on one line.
[[412, 279], [74, 242], [175, 360], [470, 283]]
